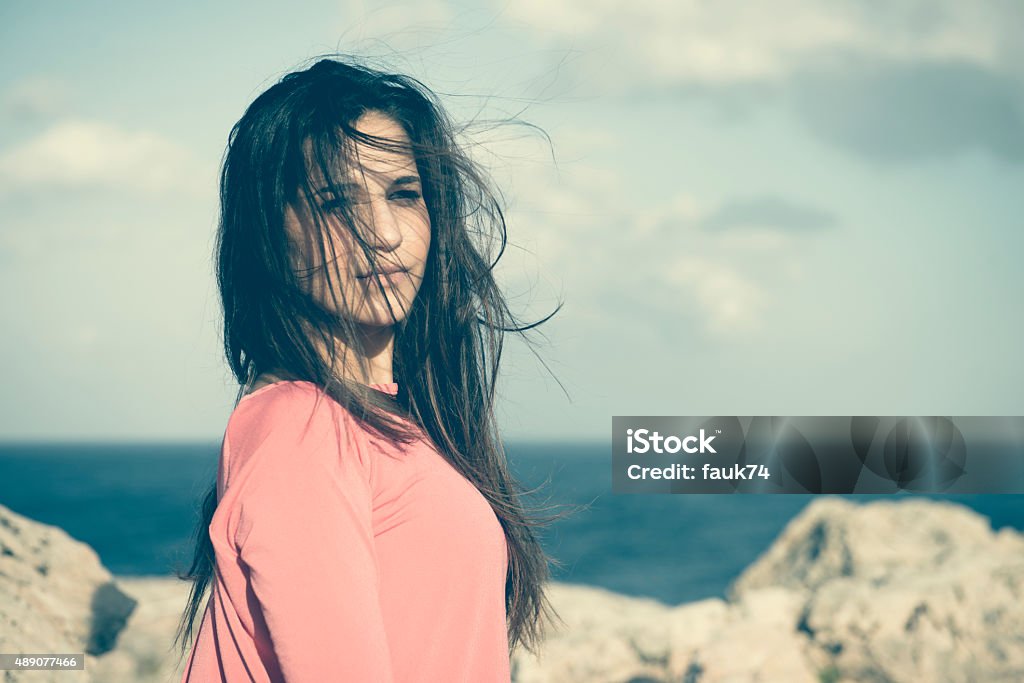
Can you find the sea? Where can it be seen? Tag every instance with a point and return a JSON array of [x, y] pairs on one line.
[[137, 506]]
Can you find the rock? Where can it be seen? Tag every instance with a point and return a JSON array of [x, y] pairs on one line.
[[55, 597], [610, 638], [914, 590], [752, 639], [834, 538], [891, 591], [145, 646], [606, 637]]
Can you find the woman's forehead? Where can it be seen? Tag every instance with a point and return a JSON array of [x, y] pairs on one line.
[[366, 162]]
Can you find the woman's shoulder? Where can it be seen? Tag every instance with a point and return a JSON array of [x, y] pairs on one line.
[[278, 390], [284, 410], [284, 397], [288, 421], [271, 380], [293, 411]]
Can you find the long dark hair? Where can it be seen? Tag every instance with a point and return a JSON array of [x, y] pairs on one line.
[[447, 348]]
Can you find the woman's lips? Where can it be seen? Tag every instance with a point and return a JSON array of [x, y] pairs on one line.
[[387, 271], [386, 277]]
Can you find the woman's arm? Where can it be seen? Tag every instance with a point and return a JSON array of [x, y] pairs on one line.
[[305, 533]]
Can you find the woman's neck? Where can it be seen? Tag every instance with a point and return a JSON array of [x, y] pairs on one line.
[[378, 345], [378, 351]]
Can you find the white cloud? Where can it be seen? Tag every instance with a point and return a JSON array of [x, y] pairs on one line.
[[90, 154], [729, 302], [617, 255], [681, 210], [660, 42], [582, 228], [886, 81]]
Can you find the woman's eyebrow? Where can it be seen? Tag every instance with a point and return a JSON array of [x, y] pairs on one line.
[[401, 180], [406, 180]]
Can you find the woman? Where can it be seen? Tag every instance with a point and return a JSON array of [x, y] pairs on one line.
[[364, 525]]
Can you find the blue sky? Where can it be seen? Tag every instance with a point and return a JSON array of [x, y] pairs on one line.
[[744, 216]]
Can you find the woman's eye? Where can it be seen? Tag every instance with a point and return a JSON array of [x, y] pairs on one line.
[[331, 205], [411, 195], [404, 195]]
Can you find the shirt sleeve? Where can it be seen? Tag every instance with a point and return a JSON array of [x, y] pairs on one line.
[[305, 534]]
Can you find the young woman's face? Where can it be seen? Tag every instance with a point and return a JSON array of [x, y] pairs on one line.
[[387, 203]]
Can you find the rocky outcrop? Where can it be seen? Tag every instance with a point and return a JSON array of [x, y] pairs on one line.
[[902, 592], [608, 638], [908, 591], [55, 598], [145, 651]]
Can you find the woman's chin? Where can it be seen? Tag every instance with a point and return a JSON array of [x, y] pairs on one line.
[[382, 319]]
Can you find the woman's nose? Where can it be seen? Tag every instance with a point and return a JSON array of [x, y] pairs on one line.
[[385, 231]]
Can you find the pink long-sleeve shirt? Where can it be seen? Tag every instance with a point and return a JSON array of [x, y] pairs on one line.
[[341, 558]]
